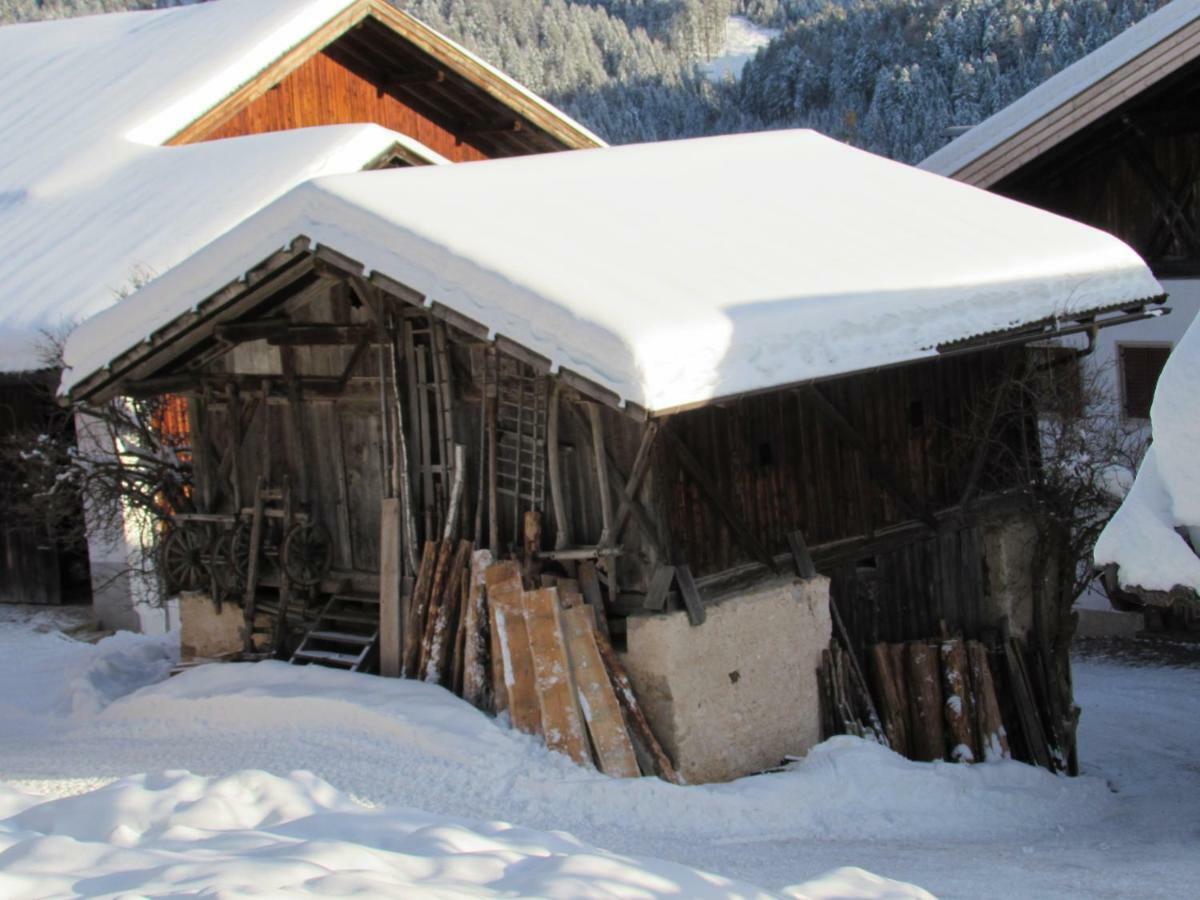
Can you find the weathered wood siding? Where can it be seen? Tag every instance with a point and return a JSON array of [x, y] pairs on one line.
[[782, 466], [324, 91]]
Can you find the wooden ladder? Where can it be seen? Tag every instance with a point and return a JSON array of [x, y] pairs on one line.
[[427, 360], [521, 417], [344, 634]]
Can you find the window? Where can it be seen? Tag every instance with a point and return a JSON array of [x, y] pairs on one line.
[[1140, 368]]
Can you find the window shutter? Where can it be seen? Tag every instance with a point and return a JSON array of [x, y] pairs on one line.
[[1140, 368]]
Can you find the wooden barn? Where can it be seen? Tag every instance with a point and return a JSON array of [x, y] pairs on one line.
[[187, 120], [659, 375], [1113, 141]]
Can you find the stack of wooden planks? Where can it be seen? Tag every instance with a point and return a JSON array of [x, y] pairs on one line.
[[539, 654], [938, 700]]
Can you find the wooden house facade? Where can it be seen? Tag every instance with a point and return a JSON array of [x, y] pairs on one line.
[[366, 64]]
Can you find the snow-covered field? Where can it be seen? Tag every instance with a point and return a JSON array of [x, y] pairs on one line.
[[274, 780], [743, 39]]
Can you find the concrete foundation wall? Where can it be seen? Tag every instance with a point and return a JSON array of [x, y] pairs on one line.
[[737, 694], [205, 633]]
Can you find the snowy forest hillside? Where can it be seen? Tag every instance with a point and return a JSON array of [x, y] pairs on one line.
[[888, 75]]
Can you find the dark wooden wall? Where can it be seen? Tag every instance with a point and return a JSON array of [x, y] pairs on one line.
[[324, 91], [783, 467], [1123, 173], [33, 567]]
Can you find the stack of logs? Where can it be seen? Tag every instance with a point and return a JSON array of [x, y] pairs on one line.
[[927, 700], [539, 654]]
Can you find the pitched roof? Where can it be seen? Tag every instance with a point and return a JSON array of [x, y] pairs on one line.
[[671, 274], [91, 203], [1061, 106]]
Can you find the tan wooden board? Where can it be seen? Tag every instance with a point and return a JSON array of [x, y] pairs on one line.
[[504, 594], [390, 649], [597, 697], [562, 719]]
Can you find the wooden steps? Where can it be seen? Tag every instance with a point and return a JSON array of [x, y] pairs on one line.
[[344, 635]]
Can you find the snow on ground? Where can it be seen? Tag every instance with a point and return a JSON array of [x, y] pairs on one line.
[[379, 750], [742, 40]]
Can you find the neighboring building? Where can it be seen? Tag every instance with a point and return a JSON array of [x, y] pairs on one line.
[[1112, 141], [702, 354], [132, 140]]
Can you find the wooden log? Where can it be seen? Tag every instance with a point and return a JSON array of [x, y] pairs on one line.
[[443, 629], [391, 654], [888, 693], [927, 740], [589, 585], [440, 573], [990, 732], [460, 633], [598, 697], [401, 476], [504, 591], [635, 719], [475, 673], [562, 719], [418, 609], [958, 702]]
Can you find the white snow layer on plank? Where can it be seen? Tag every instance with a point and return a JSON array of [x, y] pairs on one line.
[[89, 207], [678, 272], [1141, 538], [1062, 87]]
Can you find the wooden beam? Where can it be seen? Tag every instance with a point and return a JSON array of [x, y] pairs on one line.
[[420, 77], [880, 471]]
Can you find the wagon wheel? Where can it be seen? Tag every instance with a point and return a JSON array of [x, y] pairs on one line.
[[307, 554], [221, 568], [183, 558], [239, 549]]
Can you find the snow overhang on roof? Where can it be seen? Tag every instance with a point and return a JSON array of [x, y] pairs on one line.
[[676, 273], [91, 204], [1093, 86]]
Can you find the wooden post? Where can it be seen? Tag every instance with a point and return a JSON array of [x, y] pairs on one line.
[[492, 400], [401, 477], [532, 543], [561, 526], [250, 597], [391, 661]]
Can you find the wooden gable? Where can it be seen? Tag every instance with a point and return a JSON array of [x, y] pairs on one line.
[[374, 63]]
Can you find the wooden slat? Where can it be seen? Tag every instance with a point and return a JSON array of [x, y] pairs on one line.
[[589, 585], [598, 698], [504, 591], [391, 655], [660, 586], [562, 720], [692, 601]]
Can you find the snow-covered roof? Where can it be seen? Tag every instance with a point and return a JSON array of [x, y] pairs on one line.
[[1138, 56], [678, 272], [1142, 538], [91, 203]]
